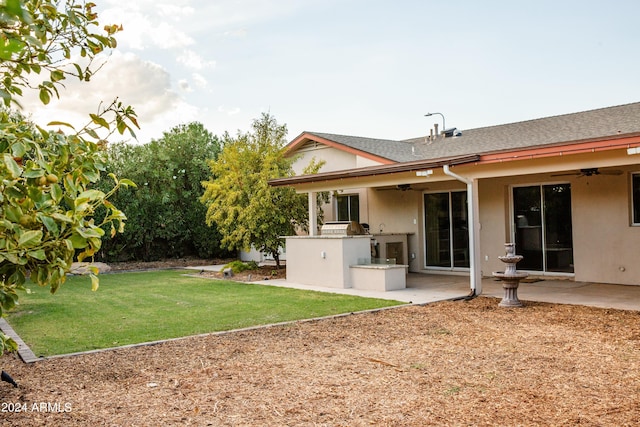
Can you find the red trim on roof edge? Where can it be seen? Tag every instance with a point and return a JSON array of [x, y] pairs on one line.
[[577, 148], [305, 136]]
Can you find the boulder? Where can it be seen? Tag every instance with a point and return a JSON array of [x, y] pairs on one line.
[[82, 268]]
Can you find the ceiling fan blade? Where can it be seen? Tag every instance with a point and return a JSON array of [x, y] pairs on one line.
[[590, 172], [568, 174]]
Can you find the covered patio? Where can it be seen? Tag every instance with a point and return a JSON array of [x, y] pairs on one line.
[[428, 288]]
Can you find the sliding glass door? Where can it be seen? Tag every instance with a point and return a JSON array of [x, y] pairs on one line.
[[446, 230], [543, 229]]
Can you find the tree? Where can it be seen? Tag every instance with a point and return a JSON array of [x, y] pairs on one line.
[[247, 211], [166, 218], [47, 197]]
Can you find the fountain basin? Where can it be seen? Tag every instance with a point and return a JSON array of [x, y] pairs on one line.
[[510, 277]]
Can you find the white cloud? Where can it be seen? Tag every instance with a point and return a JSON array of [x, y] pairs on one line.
[[222, 14], [184, 86], [199, 80], [148, 23], [228, 111], [174, 10], [239, 33], [142, 84], [192, 60]]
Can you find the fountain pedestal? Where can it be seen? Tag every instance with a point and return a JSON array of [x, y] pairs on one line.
[[510, 277]]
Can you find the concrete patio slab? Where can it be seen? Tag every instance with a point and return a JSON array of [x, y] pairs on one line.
[[427, 288]]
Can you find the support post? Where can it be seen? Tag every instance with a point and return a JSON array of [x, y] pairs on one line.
[[313, 214], [474, 235]]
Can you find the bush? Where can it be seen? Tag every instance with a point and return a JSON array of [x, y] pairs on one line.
[[165, 218], [239, 266]]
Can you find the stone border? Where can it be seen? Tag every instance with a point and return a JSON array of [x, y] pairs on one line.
[[28, 356], [24, 351]]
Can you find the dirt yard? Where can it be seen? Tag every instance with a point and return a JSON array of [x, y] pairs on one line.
[[267, 272], [449, 363]]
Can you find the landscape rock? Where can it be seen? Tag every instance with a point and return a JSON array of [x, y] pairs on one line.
[[82, 268]]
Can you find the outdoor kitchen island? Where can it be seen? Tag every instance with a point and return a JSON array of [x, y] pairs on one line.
[[343, 261]]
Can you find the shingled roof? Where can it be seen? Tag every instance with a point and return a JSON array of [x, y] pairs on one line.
[[398, 151], [599, 124]]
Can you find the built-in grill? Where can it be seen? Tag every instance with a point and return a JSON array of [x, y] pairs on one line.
[[342, 228]]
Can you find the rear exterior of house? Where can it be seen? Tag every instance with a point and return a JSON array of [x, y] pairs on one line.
[[565, 189]]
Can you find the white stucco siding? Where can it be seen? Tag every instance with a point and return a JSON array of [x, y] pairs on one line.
[[494, 223], [394, 211], [363, 162], [605, 245], [334, 159]]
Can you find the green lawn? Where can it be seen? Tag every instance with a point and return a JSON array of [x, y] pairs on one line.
[[133, 308]]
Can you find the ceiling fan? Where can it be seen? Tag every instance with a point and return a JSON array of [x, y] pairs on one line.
[[590, 172], [399, 187]]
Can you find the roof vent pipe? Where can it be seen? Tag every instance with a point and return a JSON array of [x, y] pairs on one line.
[[435, 125]]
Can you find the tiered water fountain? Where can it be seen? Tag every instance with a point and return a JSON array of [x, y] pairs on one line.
[[510, 277]]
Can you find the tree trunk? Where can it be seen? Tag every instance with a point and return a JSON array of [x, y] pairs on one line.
[[276, 258]]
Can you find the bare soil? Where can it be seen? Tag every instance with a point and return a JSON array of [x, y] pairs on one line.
[[166, 263], [266, 272], [448, 363]]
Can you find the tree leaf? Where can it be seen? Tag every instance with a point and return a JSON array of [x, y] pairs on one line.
[[38, 254], [77, 241], [95, 282], [57, 123], [57, 75], [50, 224], [128, 183], [100, 121], [60, 217], [45, 95], [30, 238], [18, 149], [11, 165], [56, 193]]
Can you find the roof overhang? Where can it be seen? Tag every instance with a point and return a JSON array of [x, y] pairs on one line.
[[374, 171], [564, 149], [350, 176]]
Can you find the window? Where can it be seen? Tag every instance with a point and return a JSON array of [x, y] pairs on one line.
[[447, 230], [635, 196], [543, 228], [349, 208]]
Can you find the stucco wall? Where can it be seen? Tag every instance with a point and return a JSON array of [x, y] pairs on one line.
[[334, 159], [324, 261], [494, 223], [394, 211], [605, 245]]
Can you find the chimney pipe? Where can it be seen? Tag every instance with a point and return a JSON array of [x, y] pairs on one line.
[[435, 125]]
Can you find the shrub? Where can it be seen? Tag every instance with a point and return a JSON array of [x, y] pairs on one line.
[[239, 266]]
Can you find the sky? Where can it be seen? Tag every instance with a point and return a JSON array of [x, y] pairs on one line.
[[367, 68]]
